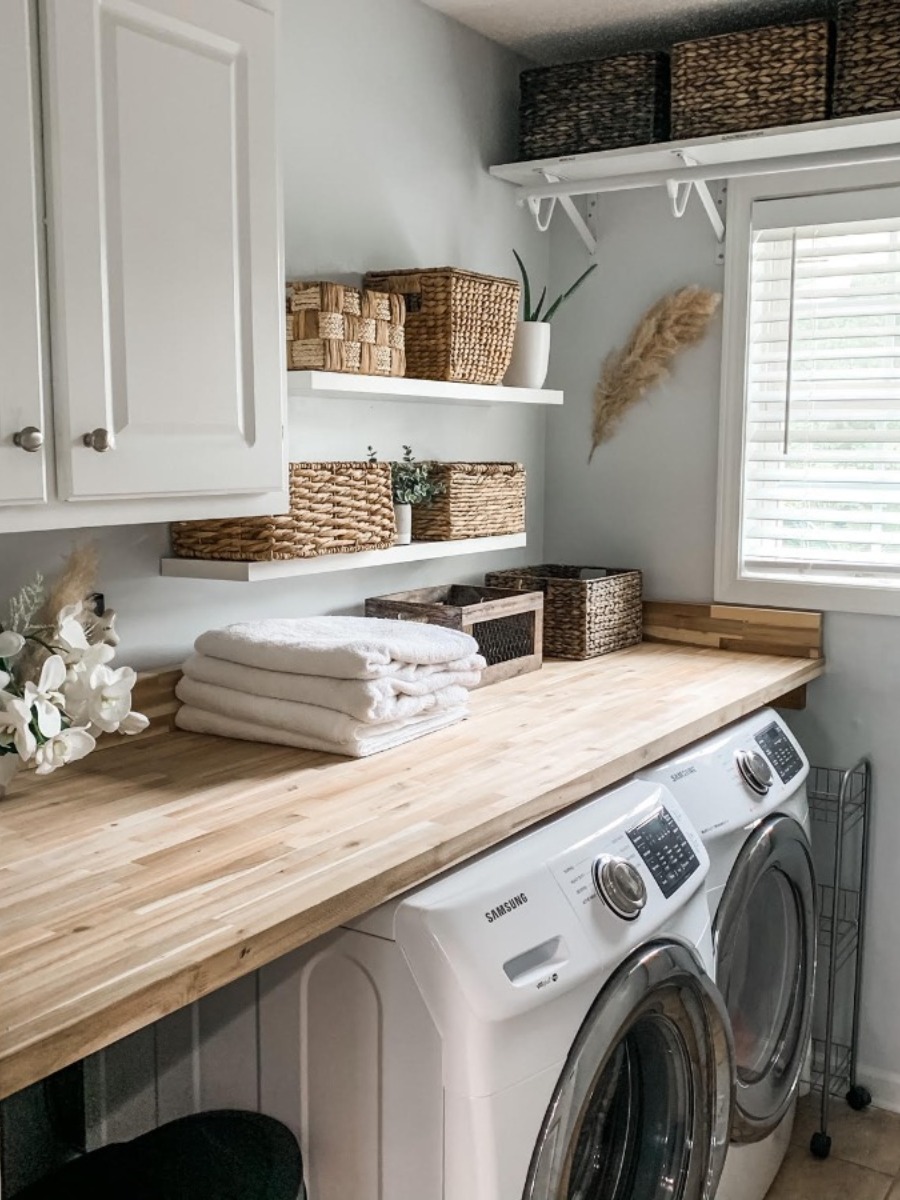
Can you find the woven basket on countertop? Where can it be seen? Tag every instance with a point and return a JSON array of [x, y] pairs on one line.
[[867, 61], [336, 508], [331, 327], [755, 79], [581, 107], [478, 500], [459, 326], [587, 610]]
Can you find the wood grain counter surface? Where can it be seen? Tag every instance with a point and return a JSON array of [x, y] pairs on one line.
[[147, 876]]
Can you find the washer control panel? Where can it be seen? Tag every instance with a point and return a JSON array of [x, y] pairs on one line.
[[665, 850], [780, 752]]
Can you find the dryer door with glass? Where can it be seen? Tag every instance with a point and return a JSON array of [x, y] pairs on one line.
[[641, 1109], [765, 939]]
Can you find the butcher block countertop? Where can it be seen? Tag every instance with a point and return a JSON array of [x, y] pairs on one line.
[[150, 874]]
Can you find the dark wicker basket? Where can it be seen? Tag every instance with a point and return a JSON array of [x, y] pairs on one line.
[[867, 63], [600, 105], [756, 79], [506, 623], [587, 610], [460, 326]]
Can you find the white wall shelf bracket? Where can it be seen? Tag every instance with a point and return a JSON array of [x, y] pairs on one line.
[[680, 193], [543, 217]]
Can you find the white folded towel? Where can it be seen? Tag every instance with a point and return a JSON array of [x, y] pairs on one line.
[[343, 647], [197, 720], [372, 700]]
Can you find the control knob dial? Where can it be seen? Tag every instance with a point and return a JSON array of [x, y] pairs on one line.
[[620, 886], [755, 771]]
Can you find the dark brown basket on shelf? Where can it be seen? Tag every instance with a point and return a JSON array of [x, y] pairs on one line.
[[460, 326], [331, 327], [587, 610], [336, 508], [581, 107], [755, 79], [507, 624], [867, 61], [478, 500]]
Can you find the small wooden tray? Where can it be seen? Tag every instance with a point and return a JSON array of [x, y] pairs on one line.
[[508, 625]]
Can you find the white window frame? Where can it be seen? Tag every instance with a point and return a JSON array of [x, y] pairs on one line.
[[731, 585]]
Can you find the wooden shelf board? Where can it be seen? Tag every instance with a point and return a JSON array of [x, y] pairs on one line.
[[307, 384], [254, 572]]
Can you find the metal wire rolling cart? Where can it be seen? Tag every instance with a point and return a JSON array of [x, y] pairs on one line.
[[839, 803]]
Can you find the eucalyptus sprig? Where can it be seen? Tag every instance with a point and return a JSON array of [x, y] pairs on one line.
[[411, 481], [534, 314]]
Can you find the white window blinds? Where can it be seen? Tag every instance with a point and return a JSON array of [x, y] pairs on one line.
[[821, 468]]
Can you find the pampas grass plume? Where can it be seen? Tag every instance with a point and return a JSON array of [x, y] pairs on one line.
[[674, 323]]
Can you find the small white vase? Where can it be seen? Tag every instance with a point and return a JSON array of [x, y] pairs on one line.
[[530, 356], [403, 518], [9, 766]]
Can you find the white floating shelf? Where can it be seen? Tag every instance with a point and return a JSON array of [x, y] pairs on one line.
[[332, 385], [253, 572]]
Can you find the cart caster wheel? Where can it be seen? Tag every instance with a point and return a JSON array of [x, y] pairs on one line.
[[820, 1145], [859, 1097]]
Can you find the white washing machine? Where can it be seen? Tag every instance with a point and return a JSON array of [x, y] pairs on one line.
[[745, 791], [539, 1024]]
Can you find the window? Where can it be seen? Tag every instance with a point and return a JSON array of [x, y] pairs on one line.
[[810, 472]]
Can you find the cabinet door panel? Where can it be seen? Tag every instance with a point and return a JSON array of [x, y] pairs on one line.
[[23, 476], [165, 236]]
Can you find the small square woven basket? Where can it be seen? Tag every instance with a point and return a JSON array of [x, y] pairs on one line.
[[336, 508], [588, 611], [331, 327], [478, 500], [755, 79], [867, 58]]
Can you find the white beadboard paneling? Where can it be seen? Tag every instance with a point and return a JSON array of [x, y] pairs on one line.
[[178, 1064], [228, 1047], [120, 1090]]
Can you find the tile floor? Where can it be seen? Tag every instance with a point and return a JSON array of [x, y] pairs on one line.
[[864, 1163]]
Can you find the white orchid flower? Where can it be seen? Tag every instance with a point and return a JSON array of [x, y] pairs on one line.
[[100, 697], [67, 746], [70, 634], [134, 723], [4, 680], [15, 726], [10, 643], [45, 696]]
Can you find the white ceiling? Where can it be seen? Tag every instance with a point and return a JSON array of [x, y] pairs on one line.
[[554, 30]]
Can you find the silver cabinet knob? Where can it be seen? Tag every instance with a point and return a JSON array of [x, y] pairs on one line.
[[30, 439], [620, 886], [100, 440]]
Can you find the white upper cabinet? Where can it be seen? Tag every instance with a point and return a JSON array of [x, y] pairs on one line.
[[146, 130], [164, 238], [24, 432]]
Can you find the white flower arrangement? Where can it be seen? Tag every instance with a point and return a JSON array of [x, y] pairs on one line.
[[58, 691]]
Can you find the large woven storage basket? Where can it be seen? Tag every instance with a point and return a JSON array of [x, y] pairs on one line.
[[587, 610], [478, 500], [336, 508], [600, 105], [867, 61], [331, 327], [755, 79], [459, 326]]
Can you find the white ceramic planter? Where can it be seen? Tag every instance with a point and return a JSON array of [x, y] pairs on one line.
[[530, 356], [9, 766], [403, 518]]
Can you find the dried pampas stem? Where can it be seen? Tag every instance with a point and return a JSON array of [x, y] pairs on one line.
[[75, 583], [673, 324]]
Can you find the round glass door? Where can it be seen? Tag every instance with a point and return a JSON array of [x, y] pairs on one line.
[[641, 1109], [765, 964]]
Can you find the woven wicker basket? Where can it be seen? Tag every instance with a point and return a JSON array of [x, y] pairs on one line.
[[587, 610], [479, 500], [331, 327], [336, 508], [755, 79], [867, 62], [459, 326], [601, 105]]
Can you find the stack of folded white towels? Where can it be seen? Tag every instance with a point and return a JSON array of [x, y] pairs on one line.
[[344, 685]]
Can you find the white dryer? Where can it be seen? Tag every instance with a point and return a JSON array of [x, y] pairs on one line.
[[539, 1023], [745, 791]]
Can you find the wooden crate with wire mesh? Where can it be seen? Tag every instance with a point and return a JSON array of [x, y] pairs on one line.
[[331, 327], [507, 624]]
